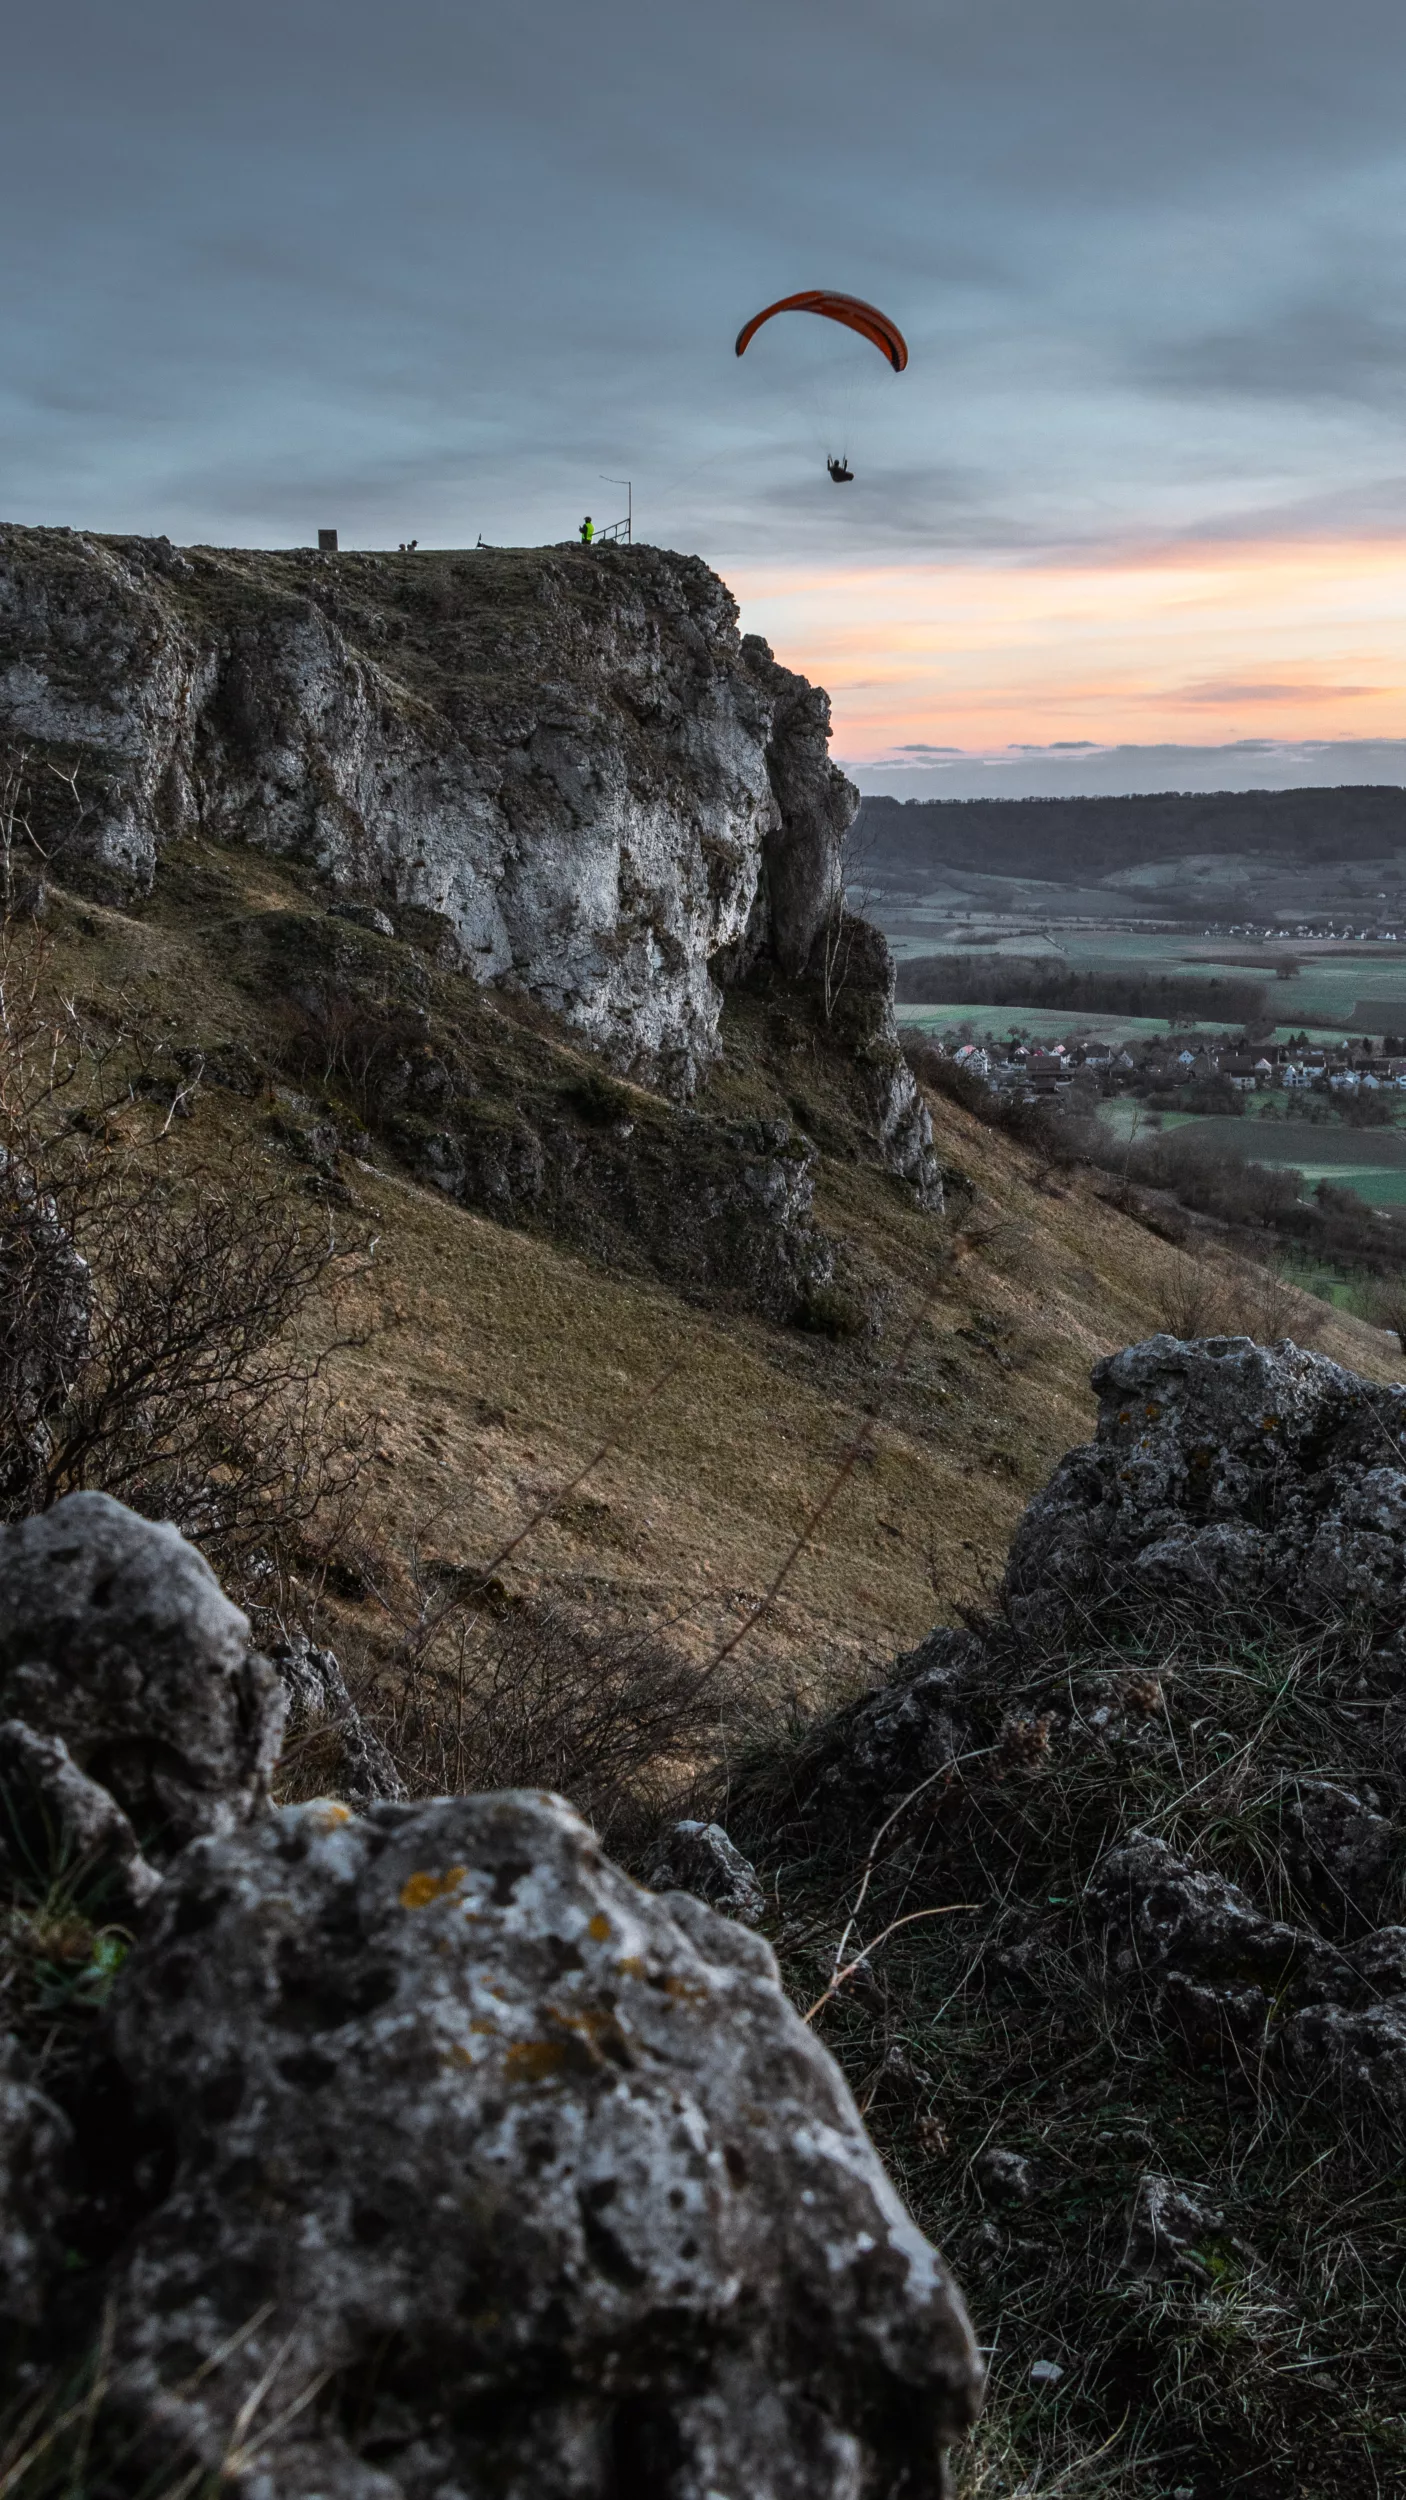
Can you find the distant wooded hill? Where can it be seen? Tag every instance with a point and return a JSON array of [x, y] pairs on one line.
[[1063, 839]]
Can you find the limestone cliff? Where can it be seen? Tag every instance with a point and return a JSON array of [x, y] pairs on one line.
[[614, 803]]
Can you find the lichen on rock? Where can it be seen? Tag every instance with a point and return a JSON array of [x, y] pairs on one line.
[[522, 2168]]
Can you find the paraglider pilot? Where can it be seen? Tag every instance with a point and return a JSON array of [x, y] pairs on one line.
[[840, 471], [588, 531]]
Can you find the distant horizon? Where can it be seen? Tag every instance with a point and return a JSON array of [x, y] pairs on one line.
[[1127, 771]]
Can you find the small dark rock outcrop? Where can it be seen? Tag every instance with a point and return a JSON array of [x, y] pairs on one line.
[[1233, 1978], [421, 2150], [1224, 1474], [1164, 2228], [1228, 1482], [701, 1859], [1234, 1493], [722, 1208], [318, 1697], [116, 1636]]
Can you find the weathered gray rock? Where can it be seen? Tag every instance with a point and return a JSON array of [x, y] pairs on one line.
[[701, 1859], [115, 1636], [1201, 1944], [1224, 1475], [490, 2171], [801, 883], [1335, 2015], [1163, 2228], [1005, 2174], [569, 757], [34, 2140], [366, 916], [1340, 1849], [318, 1697], [862, 977], [1358, 2052], [55, 1822]]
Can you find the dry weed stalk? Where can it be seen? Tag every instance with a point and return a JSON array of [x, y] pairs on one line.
[[1227, 1297]]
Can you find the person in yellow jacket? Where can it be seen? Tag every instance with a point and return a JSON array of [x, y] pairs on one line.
[[588, 531]]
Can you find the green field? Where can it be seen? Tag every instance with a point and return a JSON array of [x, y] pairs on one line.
[[1371, 1161], [1056, 1024], [1326, 994]]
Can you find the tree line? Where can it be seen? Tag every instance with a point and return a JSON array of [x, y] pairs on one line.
[[1025, 981]]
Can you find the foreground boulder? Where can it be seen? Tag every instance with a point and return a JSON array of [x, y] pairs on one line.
[[116, 1637], [418, 2152], [489, 2166]]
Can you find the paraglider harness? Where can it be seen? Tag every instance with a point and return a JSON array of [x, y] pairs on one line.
[[841, 472]]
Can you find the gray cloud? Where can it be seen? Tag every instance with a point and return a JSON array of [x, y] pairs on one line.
[[437, 266], [1124, 771], [1226, 690]]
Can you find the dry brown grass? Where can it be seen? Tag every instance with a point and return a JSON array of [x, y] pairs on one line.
[[1216, 1295], [495, 1361]]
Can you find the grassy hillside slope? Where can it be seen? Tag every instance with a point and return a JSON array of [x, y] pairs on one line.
[[496, 1359]]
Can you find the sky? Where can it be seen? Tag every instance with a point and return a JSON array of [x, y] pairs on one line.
[[435, 269]]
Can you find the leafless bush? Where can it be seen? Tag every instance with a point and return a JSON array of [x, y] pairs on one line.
[[1202, 1297], [1383, 1305], [1267, 1304], [1190, 1299], [167, 1318], [619, 1722], [44, 814], [200, 1400]]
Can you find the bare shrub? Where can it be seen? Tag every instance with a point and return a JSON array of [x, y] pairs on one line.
[[200, 1400], [1382, 1302], [1265, 1303], [362, 1051], [167, 1319], [1202, 1297], [617, 1721], [1190, 1299]]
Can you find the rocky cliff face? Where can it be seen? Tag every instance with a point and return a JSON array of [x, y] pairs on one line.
[[612, 801]]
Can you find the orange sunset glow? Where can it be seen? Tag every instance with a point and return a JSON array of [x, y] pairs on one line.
[[1195, 645]]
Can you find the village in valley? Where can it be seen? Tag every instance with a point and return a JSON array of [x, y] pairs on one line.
[[1035, 1069]]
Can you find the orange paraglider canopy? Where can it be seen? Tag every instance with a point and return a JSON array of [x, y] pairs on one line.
[[849, 309]]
